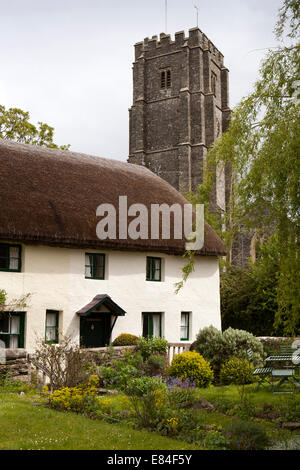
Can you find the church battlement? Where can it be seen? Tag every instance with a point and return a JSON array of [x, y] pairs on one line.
[[180, 107], [151, 47]]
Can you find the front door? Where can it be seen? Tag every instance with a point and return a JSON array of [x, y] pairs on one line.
[[95, 330]]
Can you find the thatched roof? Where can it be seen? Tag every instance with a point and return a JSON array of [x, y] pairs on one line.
[[50, 197]]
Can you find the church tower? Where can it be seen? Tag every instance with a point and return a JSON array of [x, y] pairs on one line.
[[180, 107]]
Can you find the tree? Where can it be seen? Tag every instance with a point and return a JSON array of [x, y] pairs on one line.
[[249, 294], [261, 147], [15, 125]]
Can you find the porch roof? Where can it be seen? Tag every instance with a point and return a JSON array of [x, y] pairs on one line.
[[101, 299]]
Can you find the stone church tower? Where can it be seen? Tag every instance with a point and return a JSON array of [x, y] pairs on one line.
[[180, 107]]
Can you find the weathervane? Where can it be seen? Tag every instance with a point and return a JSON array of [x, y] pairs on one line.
[[166, 16], [197, 8]]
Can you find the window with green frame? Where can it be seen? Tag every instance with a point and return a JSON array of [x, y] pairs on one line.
[[52, 324], [10, 257], [153, 269], [185, 326], [94, 266], [12, 329], [151, 325]]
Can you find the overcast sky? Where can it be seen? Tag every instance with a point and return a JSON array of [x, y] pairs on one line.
[[69, 62]]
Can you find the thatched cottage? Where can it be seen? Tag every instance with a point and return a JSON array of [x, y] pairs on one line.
[[79, 285]]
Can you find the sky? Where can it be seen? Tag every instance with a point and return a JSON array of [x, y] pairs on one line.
[[69, 62]]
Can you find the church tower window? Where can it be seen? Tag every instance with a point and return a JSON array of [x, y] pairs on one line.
[[165, 79], [169, 79], [213, 83]]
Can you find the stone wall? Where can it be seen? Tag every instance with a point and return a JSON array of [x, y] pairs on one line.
[[14, 364], [106, 355]]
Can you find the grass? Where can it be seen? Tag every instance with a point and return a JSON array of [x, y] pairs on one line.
[[288, 406], [261, 397], [28, 426]]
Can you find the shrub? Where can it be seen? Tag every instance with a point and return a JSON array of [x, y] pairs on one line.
[[155, 364], [218, 348], [210, 344], [149, 346], [148, 398], [189, 425], [216, 441], [66, 364], [119, 375], [138, 387], [192, 366], [246, 435], [125, 339], [238, 342], [181, 397], [75, 398], [236, 371]]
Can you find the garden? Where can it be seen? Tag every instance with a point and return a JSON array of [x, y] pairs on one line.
[[206, 399]]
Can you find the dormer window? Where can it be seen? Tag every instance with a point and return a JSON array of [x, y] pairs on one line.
[[153, 269], [165, 79], [94, 266]]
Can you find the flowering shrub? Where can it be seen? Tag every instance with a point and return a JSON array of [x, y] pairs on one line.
[[119, 375], [143, 385], [180, 383], [125, 339], [75, 398], [172, 426], [193, 367], [236, 371], [180, 392]]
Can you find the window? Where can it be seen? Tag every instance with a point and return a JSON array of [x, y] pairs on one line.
[[12, 329], [213, 83], [10, 257], [52, 319], [151, 325], [185, 326], [165, 79], [153, 269], [94, 266], [168, 78]]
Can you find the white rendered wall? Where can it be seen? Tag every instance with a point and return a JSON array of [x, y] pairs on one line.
[[55, 278]]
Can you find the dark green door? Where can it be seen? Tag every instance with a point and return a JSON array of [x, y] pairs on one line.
[[95, 330]]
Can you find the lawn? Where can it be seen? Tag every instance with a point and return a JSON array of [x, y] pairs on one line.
[[27, 424]]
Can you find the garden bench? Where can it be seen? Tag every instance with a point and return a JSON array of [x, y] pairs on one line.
[[264, 374], [283, 375], [284, 368]]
